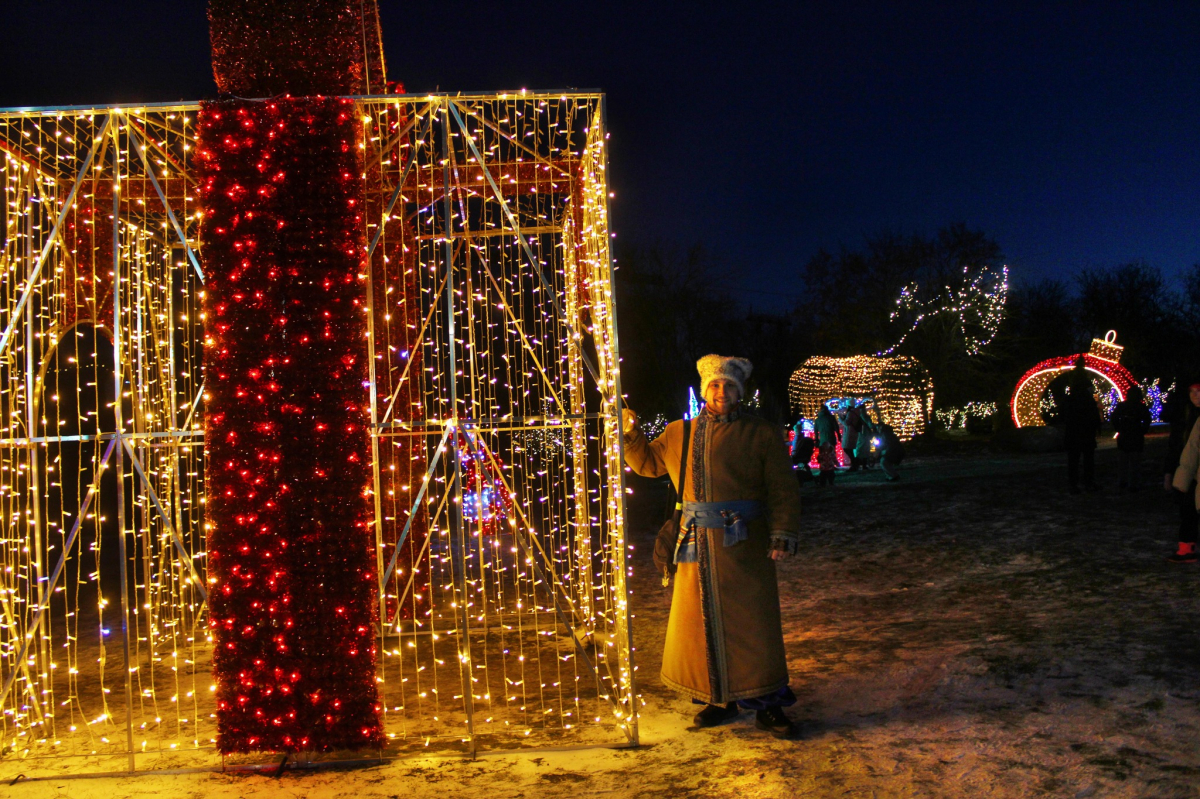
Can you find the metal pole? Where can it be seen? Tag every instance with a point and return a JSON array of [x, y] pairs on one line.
[[35, 486], [466, 667], [376, 482], [118, 417]]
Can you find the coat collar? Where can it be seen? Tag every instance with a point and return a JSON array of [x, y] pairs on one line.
[[732, 416]]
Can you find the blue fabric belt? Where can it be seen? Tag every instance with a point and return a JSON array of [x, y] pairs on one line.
[[730, 516]]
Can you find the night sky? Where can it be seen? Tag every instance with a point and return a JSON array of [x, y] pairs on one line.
[[1068, 131]]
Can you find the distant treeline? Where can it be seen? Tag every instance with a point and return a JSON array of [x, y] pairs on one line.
[[675, 305]]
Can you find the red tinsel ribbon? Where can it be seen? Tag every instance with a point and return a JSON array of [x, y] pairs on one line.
[[291, 554], [262, 48]]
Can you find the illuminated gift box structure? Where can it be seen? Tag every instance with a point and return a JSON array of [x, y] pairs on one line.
[[899, 384], [1102, 361], [491, 391]]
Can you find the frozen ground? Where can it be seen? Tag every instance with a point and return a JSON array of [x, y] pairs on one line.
[[973, 630]]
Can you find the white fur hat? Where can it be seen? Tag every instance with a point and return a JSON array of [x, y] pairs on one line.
[[712, 367]]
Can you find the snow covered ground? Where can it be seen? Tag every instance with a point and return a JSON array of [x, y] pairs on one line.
[[972, 630]]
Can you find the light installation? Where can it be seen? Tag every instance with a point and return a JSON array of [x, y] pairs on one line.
[[899, 385], [484, 286], [975, 301], [693, 404], [1101, 361]]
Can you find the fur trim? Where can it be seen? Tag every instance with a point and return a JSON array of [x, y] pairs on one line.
[[712, 367]]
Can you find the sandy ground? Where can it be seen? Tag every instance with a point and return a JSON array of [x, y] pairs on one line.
[[972, 630]]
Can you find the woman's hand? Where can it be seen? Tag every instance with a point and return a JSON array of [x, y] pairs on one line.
[[629, 421], [780, 554]]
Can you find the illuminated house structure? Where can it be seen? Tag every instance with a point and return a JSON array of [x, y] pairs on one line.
[[1102, 361], [476, 312], [898, 384]]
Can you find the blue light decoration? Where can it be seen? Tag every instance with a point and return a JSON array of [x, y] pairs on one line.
[[693, 406], [1155, 397]]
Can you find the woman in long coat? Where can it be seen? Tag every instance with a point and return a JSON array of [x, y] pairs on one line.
[[741, 513]]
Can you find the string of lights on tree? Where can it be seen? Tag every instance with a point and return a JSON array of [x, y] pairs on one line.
[[957, 417], [976, 302]]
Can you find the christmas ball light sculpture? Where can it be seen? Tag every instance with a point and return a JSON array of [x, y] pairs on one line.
[[1102, 361]]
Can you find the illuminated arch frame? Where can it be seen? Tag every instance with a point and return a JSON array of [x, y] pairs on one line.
[[1026, 400]]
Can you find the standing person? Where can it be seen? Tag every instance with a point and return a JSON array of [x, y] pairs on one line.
[[1182, 413], [851, 428], [893, 452], [862, 451], [802, 450], [741, 514], [1082, 417], [827, 439], [1131, 420]]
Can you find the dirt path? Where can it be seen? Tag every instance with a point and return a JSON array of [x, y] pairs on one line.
[[971, 631]]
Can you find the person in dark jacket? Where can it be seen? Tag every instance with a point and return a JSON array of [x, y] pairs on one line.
[[802, 450], [1081, 415], [827, 439], [852, 426], [1182, 412], [893, 452], [1131, 420]]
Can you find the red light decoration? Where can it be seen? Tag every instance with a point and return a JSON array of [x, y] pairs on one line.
[[292, 561], [1101, 360], [262, 48], [292, 565]]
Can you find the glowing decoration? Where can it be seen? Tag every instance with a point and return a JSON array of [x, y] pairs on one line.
[[1101, 360], [1155, 397], [654, 426], [976, 301], [693, 406], [287, 443], [486, 501], [487, 307], [898, 384], [292, 554], [956, 418]]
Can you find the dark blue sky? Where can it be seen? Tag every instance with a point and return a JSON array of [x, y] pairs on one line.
[[1068, 131]]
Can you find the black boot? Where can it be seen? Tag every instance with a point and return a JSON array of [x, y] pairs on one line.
[[774, 721], [712, 715]]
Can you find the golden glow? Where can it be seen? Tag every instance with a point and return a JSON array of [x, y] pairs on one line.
[[898, 383], [512, 633]]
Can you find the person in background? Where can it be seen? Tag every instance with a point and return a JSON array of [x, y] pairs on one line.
[[893, 452], [827, 438], [1182, 412], [741, 515], [851, 429], [802, 450], [862, 452], [1081, 416], [1131, 420]]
